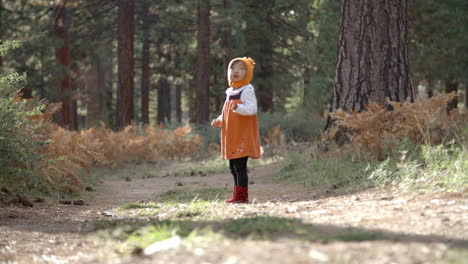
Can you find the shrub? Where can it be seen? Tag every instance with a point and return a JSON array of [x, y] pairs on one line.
[[17, 134], [378, 129], [275, 129], [298, 126], [68, 152]]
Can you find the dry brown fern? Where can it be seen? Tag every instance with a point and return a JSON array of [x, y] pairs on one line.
[[69, 152], [377, 128], [275, 140]]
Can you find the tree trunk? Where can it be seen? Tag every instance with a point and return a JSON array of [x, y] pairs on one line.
[[62, 54], [124, 110], [42, 82], [227, 37], [466, 95], [101, 72], [372, 59], [203, 62], [92, 95], [228, 43], [192, 101], [1, 29], [266, 87], [109, 90], [178, 102], [96, 92], [178, 92], [260, 45], [307, 92], [451, 86], [75, 114], [430, 87], [164, 101], [145, 70], [26, 91]]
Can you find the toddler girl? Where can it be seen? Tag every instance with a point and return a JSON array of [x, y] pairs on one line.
[[239, 126]]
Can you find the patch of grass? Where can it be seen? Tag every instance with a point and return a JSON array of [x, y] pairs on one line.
[[211, 165], [357, 235], [330, 172], [423, 167], [141, 206], [267, 227], [144, 233], [270, 228], [216, 165], [127, 236], [196, 210], [182, 195], [433, 168], [131, 171], [252, 163], [456, 256], [115, 228], [171, 209]]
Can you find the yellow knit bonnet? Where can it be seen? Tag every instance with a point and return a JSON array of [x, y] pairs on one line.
[[249, 67]]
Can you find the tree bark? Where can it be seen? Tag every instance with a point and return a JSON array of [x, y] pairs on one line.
[[260, 45], [1, 28], [372, 60], [93, 97], [102, 72], [266, 87], [192, 101], [164, 101], [109, 103], [307, 93], [451, 86], [96, 92], [203, 62], [145, 70], [62, 54], [430, 87], [41, 82], [178, 92], [164, 87], [178, 102], [227, 30], [26, 91], [466, 95], [124, 110]]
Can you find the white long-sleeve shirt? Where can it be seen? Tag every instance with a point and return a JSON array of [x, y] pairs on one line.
[[248, 99]]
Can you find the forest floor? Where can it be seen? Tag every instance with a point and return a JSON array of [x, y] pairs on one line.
[[285, 223]]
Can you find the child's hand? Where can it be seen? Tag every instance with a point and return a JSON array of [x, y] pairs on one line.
[[215, 123], [234, 106]]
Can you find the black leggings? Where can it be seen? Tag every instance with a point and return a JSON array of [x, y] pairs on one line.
[[239, 171]]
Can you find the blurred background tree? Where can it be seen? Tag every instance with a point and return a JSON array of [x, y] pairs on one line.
[[439, 46], [176, 79]]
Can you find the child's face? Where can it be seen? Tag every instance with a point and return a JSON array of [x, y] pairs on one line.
[[238, 71]]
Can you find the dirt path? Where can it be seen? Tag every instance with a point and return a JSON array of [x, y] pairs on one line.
[[428, 228]]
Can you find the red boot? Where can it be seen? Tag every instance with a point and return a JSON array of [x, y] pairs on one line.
[[242, 195], [234, 194]]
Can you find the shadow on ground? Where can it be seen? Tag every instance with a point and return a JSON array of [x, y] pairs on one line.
[[268, 228]]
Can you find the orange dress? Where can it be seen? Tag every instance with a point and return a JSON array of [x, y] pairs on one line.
[[239, 133]]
